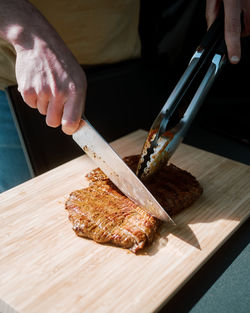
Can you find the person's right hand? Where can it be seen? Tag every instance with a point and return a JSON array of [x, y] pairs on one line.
[[51, 80], [49, 77]]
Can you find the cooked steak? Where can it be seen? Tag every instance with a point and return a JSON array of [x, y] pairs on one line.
[[103, 213], [174, 188]]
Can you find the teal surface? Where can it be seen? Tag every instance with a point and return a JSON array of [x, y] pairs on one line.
[[231, 292], [13, 166]]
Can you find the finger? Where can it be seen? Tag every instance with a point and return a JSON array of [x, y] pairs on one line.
[[30, 97], [212, 9], [72, 113], [42, 103], [233, 30], [54, 112], [43, 97]]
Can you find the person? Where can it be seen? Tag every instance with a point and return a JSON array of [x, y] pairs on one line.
[[43, 60], [42, 44], [48, 74]]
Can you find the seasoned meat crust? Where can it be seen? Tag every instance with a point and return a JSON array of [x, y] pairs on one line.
[[103, 213], [174, 188]]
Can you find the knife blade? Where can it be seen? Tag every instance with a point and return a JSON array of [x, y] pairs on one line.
[[95, 146]]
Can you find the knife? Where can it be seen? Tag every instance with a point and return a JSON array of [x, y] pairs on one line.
[[117, 171]]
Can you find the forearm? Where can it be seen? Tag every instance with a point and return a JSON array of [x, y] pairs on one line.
[[21, 24]]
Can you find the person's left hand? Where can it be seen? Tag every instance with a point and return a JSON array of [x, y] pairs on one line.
[[233, 28]]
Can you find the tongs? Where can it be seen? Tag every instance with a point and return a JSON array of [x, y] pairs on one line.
[[176, 116]]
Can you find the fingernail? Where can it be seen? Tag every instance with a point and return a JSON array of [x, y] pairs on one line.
[[235, 59]]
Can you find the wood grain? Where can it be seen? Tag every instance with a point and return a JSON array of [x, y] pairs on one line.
[[45, 267]]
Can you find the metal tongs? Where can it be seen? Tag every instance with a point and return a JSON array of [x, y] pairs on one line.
[[176, 116]]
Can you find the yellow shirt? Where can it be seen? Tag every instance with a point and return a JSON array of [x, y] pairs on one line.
[[96, 31]]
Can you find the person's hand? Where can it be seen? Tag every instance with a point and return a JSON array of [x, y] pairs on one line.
[[48, 76], [50, 79], [233, 28]]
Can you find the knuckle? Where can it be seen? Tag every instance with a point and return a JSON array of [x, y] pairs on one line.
[[74, 88], [78, 85], [27, 93], [44, 92]]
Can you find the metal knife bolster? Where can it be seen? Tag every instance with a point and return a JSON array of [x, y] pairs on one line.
[[116, 170]]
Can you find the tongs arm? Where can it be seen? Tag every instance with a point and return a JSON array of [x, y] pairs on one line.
[[165, 133], [217, 63]]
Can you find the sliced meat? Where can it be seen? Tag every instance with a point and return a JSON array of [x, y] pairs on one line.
[[101, 212]]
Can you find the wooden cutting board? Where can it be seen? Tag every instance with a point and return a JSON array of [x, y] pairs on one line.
[[45, 267]]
